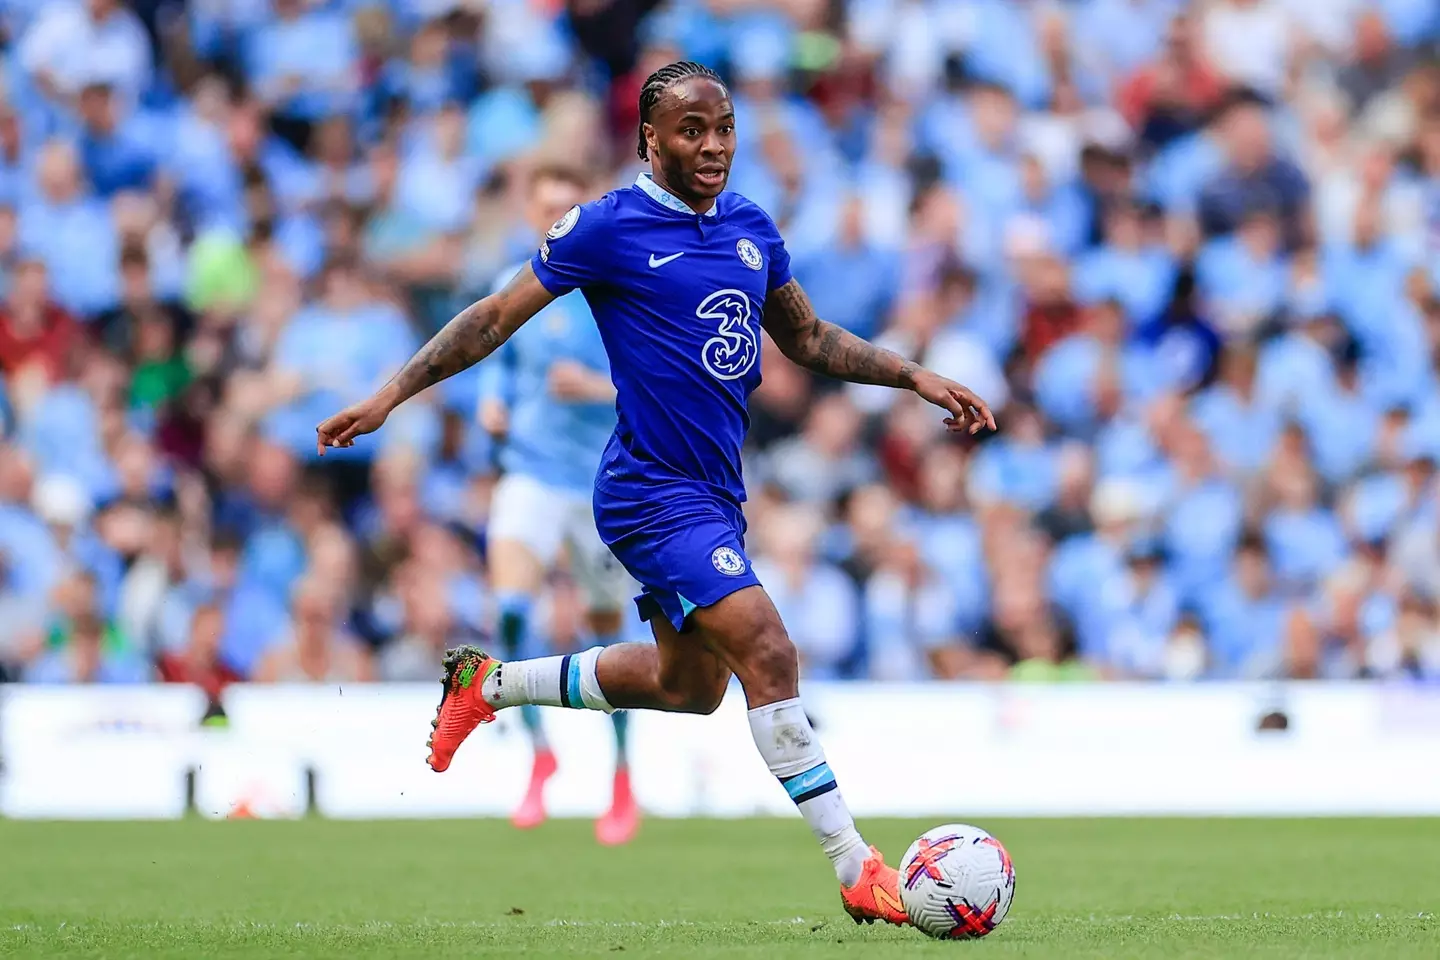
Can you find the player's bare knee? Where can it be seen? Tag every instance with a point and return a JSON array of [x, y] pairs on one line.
[[693, 695], [706, 696], [700, 702], [707, 690]]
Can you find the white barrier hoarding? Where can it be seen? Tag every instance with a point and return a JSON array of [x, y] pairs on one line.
[[96, 752], [936, 750]]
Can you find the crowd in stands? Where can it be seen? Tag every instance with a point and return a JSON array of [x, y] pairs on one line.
[[1189, 251]]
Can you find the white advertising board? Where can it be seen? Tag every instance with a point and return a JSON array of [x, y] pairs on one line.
[[97, 752], [933, 750]]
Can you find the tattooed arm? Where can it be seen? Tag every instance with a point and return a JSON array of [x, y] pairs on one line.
[[825, 348], [471, 336], [836, 352]]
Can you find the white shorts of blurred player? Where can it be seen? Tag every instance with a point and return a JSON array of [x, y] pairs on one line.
[[545, 518]]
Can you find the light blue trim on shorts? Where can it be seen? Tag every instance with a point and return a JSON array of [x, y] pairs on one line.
[[686, 607]]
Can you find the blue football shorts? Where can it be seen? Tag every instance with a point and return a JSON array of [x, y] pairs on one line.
[[685, 546]]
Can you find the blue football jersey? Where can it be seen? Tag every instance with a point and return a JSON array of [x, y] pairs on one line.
[[558, 442], [677, 297]]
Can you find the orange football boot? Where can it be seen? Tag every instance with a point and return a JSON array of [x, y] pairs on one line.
[[461, 708], [876, 895]]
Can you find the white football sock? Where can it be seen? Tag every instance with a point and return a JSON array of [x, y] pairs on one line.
[[567, 681], [785, 739]]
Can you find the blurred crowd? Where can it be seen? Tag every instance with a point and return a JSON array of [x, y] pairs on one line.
[[1190, 251]]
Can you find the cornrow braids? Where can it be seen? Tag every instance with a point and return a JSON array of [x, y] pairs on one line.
[[660, 81]]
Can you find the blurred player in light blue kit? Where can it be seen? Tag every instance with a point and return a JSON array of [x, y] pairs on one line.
[[547, 395]]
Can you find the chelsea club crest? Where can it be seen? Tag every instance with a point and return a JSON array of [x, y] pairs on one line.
[[728, 561], [749, 254]]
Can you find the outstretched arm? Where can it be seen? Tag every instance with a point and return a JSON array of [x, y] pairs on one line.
[[471, 336], [836, 352]]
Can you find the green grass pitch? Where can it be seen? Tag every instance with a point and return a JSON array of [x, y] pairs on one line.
[[702, 889]]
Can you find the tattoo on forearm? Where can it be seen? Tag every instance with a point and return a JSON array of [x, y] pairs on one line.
[[825, 348], [471, 336]]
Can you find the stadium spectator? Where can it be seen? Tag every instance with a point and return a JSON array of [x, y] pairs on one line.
[[1133, 623], [854, 280], [58, 219], [1249, 624], [1253, 176], [85, 653], [819, 604], [1375, 66], [303, 64], [333, 352], [825, 459], [35, 333], [115, 155], [429, 629], [69, 44], [154, 607], [1410, 648], [1250, 42], [911, 619], [197, 660], [315, 648], [1170, 97]]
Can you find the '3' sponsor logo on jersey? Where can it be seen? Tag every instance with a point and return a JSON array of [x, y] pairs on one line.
[[735, 347]]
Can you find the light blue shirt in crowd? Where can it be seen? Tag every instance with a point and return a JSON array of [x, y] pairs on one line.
[[1292, 372], [1340, 454], [1129, 626], [56, 667], [1027, 476], [1245, 635], [1126, 33], [78, 244], [1067, 375], [33, 561], [1076, 566], [1231, 280], [1141, 280], [1242, 434], [1410, 21], [1201, 532], [339, 358], [1305, 545], [501, 123], [437, 190], [1179, 172], [1366, 285], [852, 287], [1005, 51], [318, 47], [950, 545]]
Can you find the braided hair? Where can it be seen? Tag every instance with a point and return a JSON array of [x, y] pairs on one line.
[[660, 81]]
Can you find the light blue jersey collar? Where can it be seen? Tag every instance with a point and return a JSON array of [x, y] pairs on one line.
[[667, 199]]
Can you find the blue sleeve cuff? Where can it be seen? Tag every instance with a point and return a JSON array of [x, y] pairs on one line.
[[551, 280]]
